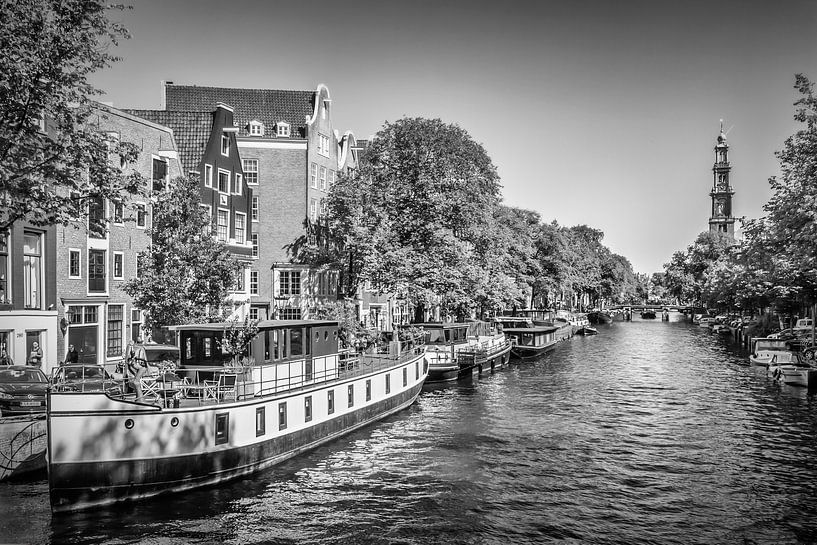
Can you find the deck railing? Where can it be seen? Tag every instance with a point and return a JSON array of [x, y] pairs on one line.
[[211, 385]]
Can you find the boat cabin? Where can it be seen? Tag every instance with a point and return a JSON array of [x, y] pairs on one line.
[[438, 333], [513, 322], [532, 336]]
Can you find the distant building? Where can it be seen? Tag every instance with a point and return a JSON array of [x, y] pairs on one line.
[[291, 156], [207, 140], [95, 257], [721, 220]]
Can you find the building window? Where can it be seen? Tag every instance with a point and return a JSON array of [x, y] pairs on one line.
[[290, 283], [323, 207], [323, 145], [330, 401], [96, 218], [350, 394], [308, 409], [118, 265], [283, 129], [225, 145], [238, 182], [253, 313], [388, 383], [256, 128], [208, 175], [5, 274], [74, 264], [118, 212], [254, 283], [32, 269], [222, 428], [313, 176], [135, 325], [331, 178], [141, 216], [313, 209], [323, 178], [240, 227], [255, 244], [254, 208], [289, 313], [222, 225], [282, 416], [223, 181], [96, 271], [368, 390], [159, 174], [250, 171], [116, 314]]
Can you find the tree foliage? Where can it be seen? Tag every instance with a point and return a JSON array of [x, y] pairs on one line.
[[52, 159], [186, 276]]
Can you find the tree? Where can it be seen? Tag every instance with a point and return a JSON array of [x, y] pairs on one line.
[[415, 219], [238, 337], [52, 161], [187, 274]]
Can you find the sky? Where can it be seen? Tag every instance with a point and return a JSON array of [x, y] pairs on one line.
[[594, 112]]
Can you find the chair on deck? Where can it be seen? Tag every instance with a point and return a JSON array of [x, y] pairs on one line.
[[222, 388], [150, 388]]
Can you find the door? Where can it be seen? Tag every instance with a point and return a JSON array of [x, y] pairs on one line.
[[84, 339]]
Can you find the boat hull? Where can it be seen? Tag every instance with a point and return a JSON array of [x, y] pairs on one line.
[[107, 451], [530, 352]]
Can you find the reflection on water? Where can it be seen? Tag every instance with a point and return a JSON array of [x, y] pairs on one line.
[[650, 432]]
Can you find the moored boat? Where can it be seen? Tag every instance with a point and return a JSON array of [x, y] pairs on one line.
[[765, 348], [648, 314], [587, 330], [444, 342], [104, 449], [530, 341]]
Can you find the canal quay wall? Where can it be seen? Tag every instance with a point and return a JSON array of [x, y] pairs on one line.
[[22, 445]]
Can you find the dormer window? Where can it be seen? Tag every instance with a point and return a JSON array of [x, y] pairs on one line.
[[256, 128], [282, 129]]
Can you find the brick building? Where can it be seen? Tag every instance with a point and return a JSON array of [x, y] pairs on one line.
[[291, 155], [97, 256], [208, 150]]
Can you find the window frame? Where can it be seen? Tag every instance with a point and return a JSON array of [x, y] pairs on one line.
[[225, 145], [243, 228], [250, 167], [226, 211], [350, 396], [137, 207], [121, 275], [208, 175], [105, 271], [254, 239], [253, 282], [218, 181], [282, 415], [256, 128], [78, 253], [254, 209]]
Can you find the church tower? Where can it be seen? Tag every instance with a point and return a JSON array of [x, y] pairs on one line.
[[721, 220]]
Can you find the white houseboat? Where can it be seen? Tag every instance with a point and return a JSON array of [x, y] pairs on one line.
[[297, 391]]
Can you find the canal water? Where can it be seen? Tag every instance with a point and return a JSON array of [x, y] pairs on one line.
[[650, 432]]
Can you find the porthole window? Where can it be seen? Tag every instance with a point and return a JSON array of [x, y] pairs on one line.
[[174, 421], [129, 423]]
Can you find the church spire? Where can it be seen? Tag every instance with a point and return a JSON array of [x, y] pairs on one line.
[[721, 220]]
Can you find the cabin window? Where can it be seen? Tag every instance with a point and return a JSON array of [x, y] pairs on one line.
[[307, 408], [282, 416], [405, 376], [351, 395], [260, 421], [416, 370], [267, 335], [208, 347], [308, 371], [368, 390], [188, 348], [388, 383], [222, 428], [330, 401], [296, 342]]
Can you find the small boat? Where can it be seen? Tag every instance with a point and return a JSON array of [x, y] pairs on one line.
[[765, 348], [104, 449], [648, 314], [451, 353], [529, 340], [706, 321], [600, 317], [587, 330], [789, 368]]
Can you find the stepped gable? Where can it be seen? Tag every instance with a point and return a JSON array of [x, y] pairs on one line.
[[191, 130], [269, 106]]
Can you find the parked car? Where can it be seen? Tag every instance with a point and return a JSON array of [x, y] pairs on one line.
[[85, 377], [22, 390]]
